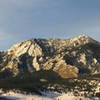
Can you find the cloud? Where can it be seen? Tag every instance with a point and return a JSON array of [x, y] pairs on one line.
[[4, 35], [14, 8], [22, 3], [17, 15], [7, 40]]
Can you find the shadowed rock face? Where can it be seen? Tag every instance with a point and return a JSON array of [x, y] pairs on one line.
[[69, 58]]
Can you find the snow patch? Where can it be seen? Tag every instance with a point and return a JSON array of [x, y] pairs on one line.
[[47, 95]]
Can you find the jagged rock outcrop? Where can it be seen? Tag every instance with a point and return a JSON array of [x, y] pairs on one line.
[[69, 58], [64, 70]]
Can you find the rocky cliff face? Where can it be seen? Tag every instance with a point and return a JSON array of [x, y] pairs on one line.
[[69, 58]]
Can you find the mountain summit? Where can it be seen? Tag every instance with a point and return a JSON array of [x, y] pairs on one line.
[[69, 58]]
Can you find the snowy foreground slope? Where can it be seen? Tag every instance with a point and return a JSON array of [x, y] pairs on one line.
[[48, 96]]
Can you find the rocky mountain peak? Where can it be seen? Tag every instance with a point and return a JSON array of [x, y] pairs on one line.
[[49, 44], [83, 36], [81, 40], [68, 58]]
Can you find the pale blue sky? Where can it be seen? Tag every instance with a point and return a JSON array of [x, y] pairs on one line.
[[24, 19]]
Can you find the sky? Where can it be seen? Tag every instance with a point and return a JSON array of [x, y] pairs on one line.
[[24, 19]]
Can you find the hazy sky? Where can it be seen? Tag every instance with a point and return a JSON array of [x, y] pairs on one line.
[[25, 19]]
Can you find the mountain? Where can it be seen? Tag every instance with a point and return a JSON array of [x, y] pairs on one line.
[[69, 58]]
